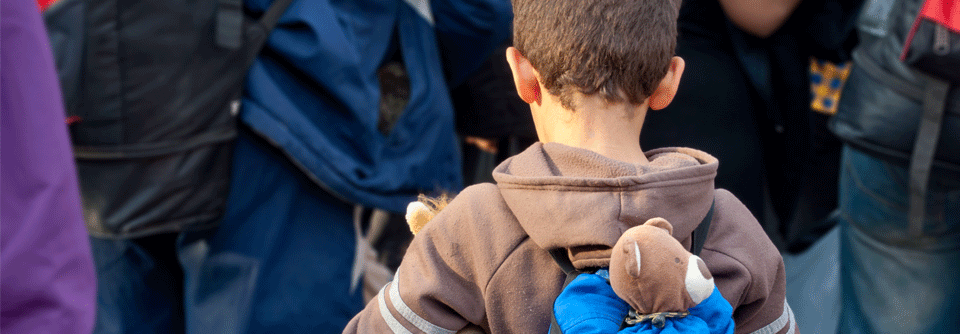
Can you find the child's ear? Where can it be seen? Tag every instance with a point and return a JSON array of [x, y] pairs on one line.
[[524, 76], [667, 89]]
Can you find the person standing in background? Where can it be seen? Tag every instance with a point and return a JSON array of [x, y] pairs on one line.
[[345, 111], [493, 121], [48, 280], [899, 183], [749, 105]]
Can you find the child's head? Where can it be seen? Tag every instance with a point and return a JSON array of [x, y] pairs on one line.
[[619, 50]]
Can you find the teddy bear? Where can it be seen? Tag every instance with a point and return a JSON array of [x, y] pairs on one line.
[[655, 286]]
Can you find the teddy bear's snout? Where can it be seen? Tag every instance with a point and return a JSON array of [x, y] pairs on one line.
[[699, 281]]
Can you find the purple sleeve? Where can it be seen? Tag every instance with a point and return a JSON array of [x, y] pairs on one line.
[[47, 278]]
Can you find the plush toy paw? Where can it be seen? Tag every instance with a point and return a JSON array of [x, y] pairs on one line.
[[418, 214]]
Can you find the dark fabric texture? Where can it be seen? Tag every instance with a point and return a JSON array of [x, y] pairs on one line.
[[140, 285], [882, 119], [487, 104], [280, 262], [746, 100], [878, 252], [933, 44], [314, 92], [816, 203], [152, 97], [880, 111], [714, 106]]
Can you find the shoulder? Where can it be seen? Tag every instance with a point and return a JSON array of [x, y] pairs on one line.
[[734, 229], [476, 229], [747, 266], [477, 209], [738, 243]]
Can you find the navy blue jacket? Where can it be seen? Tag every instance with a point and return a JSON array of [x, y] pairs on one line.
[[314, 92]]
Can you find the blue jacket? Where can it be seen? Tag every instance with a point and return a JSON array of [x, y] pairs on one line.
[[589, 305], [314, 92]]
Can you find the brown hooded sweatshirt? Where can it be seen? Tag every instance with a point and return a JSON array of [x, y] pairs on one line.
[[483, 260]]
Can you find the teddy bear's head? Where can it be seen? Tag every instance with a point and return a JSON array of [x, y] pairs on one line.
[[653, 272]]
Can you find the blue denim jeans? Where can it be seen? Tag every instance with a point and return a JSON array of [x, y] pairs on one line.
[[280, 262], [891, 281]]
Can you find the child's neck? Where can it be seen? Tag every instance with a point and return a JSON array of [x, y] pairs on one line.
[[612, 130]]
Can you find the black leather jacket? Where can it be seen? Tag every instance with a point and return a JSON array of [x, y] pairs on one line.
[[881, 106]]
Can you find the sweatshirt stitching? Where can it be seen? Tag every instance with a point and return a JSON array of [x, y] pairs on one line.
[[528, 182], [592, 188], [513, 250], [620, 209]]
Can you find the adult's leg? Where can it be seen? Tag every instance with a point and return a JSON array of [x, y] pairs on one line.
[[281, 260], [139, 285], [893, 282]]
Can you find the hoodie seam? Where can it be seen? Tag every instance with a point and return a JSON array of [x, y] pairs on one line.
[[591, 188], [749, 286], [486, 285], [620, 209], [665, 178]]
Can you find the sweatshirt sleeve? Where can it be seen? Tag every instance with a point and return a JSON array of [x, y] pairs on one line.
[[748, 269], [440, 284]]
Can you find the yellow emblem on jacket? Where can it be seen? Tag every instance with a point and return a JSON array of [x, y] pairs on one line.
[[826, 83]]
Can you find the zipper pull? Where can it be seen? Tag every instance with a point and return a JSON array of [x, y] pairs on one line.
[[941, 40]]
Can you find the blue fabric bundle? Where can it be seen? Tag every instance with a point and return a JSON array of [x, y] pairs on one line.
[[589, 305]]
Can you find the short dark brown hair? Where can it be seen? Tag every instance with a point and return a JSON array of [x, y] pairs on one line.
[[620, 49]]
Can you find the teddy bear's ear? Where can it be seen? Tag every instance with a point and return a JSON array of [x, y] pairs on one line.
[[632, 258], [661, 223]]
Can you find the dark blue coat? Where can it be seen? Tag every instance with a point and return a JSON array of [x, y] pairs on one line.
[[314, 91]]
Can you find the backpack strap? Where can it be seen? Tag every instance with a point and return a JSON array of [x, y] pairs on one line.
[[272, 15], [924, 149], [560, 257], [229, 23], [699, 237]]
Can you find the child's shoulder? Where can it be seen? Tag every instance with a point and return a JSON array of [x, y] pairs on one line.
[[482, 198], [739, 249], [477, 210], [732, 219]]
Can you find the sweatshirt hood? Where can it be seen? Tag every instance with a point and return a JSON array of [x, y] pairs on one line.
[[567, 197]]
